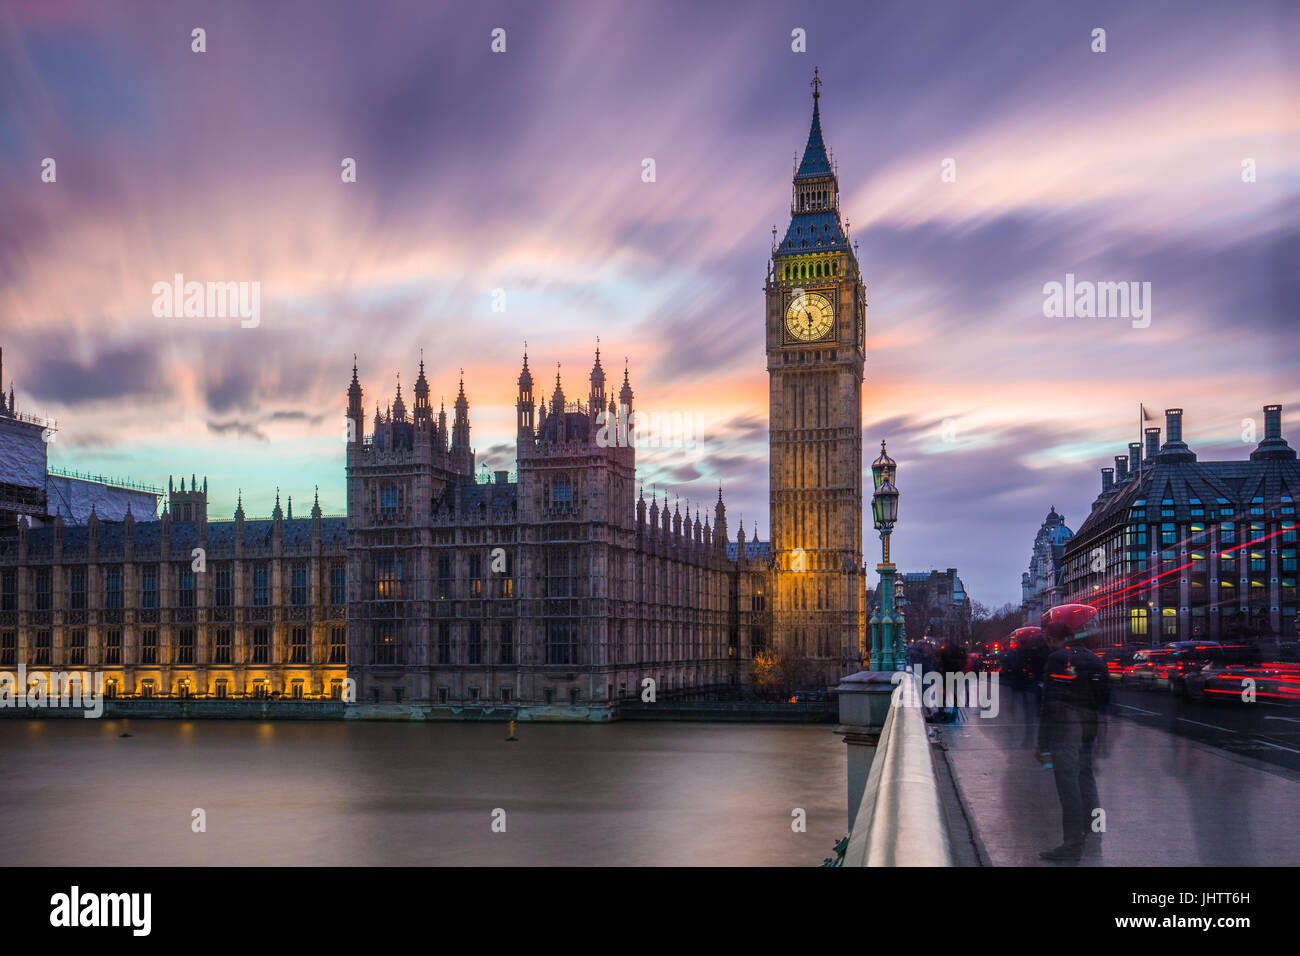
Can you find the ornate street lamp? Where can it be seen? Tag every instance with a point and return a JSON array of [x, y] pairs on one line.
[[887, 621]]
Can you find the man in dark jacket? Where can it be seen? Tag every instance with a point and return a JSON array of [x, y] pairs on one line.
[[1075, 690]]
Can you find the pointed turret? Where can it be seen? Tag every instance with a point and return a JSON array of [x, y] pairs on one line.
[[720, 524], [557, 407], [596, 399], [398, 413], [462, 458], [423, 413], [524, 407], [815, 226], [356, 417]]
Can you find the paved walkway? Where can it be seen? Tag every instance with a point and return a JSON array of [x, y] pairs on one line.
[[1169, 801]]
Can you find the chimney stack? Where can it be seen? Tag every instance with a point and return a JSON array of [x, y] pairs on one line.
[[1153, 445], [1272, 421], [1173, 425], [1174, 448], [1107, 480], [1135, 457], [1121, 467], [1274, 446]]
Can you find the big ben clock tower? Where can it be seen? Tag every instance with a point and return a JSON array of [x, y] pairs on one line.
[[816, 347]]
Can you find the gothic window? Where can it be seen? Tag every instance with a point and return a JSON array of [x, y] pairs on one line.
[[43, 594], [223, 593], [386, 645], [338, 645], [444, 643], [561, 493], [41, 652], [77, 588], [9, 590], [149, 647], [261, 645], [444, 576], [388, 577], [561, 571], [261, 585], [388, 501], [221, 647], [338, 585], [561, 643], [8, 648], [474, 647], [149, 586], [185, 646], [113, 647], [298, 590], [507, 642], [77, 648], [298, 646], [185, 587]]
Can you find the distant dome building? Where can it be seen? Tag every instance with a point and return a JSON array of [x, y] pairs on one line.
[[1040, 586]]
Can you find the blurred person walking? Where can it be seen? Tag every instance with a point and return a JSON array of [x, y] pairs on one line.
[[1075, 691]]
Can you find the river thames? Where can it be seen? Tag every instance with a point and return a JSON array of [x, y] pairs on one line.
[[77, 793]]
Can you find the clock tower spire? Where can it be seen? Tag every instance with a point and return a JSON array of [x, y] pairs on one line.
[[816, 350]]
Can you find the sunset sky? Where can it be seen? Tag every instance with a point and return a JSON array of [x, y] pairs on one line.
[[521, 171]]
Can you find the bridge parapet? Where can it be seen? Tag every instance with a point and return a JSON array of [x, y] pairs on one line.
[[896, 815]]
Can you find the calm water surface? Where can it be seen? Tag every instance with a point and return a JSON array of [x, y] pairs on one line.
[[72, 792]]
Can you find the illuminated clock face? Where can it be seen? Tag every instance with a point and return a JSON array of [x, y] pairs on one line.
[[810, 317]]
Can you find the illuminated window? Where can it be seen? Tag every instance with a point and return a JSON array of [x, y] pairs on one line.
[[385, 645], [388, 577], [298, 689], [1137, 618], [1169, 622], [223, 688], [146, 688]]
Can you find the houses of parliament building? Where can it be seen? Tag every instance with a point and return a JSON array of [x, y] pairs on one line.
[[556, 591]]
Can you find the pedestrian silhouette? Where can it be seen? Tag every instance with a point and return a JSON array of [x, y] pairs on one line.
[[1075, 691]]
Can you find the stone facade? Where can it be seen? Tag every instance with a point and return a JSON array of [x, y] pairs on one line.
[[193, 608], [816, 349], [557, 593], [1040, 586]]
